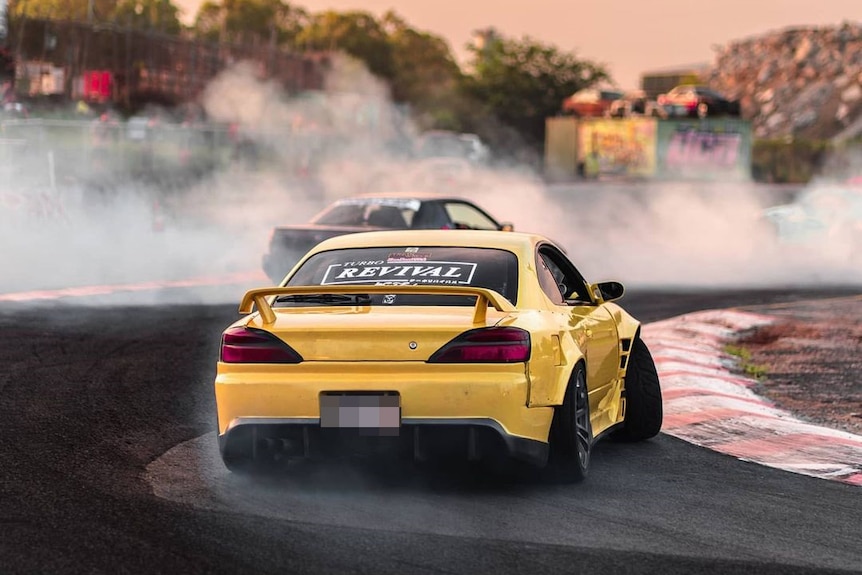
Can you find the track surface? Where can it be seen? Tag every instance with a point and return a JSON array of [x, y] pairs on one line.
[[90, 397]]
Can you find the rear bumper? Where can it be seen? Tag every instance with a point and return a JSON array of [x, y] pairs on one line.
[[427, 392], [417, 438]]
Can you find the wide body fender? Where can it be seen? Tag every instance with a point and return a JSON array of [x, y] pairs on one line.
[[557, 352]]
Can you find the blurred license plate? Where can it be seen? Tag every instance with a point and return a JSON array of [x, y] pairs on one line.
[[363, 412]]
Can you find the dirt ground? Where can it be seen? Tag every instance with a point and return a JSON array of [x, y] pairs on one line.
[[810, 361]]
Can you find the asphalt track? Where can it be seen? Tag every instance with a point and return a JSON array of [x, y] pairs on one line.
[[92, 399]]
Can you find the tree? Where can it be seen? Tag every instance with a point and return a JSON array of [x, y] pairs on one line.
[[160, 15], [95, 10], [424, 71], [522, 82], [210, 21], [250, 21], [356, 33]]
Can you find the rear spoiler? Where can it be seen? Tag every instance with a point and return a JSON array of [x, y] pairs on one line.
[[484, 297]]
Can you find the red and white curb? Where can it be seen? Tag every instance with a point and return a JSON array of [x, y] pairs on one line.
[[705, 403], [88, 291]]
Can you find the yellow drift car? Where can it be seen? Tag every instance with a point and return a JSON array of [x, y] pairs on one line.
[[481, 345]]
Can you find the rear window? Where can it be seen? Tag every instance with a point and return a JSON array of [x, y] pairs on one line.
[[456, 266], [387, 213]]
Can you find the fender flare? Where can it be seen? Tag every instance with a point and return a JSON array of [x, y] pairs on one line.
[[563, 383]]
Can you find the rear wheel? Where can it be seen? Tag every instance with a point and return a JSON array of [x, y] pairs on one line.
[[572, 432], [644, 412]]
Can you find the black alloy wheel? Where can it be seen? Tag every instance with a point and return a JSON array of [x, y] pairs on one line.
[[572, 433]]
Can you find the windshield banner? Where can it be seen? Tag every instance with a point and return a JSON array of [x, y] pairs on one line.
[[382, 272]]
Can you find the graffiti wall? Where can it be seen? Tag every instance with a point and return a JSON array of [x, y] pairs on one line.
[[617, 146], [704, 148], [648, 148], [561, 148]]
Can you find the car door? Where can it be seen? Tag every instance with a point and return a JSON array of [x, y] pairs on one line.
[[591, 325]]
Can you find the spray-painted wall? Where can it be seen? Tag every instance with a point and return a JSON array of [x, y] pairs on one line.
[[619, 147], [648, 148], [561, 147], [704, 148]]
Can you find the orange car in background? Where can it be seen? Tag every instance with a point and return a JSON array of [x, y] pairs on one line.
[[591, 102]]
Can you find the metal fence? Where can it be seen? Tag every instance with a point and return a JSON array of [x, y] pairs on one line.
[[53, 56]]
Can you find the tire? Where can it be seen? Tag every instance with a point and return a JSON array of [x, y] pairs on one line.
[[572, 432], [644, 412]]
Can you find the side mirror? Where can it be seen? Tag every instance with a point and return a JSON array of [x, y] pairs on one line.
[[507, 227], [608, 291]]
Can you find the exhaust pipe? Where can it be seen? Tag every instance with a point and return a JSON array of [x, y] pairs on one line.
[[270, 444]]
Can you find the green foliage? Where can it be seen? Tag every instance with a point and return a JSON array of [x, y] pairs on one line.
[[738, 351], [756, 371], [159, 15], [250, 21], [522, 82], [424, 71], [788, 162], [356, 33], [209, 21], [162, 15]]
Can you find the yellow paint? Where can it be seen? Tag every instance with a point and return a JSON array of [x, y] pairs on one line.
[[360, 347]]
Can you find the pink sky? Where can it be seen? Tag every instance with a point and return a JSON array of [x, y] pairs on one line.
[[629, 36]]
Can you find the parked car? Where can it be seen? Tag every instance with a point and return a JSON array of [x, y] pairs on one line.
[[697, 102], [635, 103], [591, 102], [474, 345]]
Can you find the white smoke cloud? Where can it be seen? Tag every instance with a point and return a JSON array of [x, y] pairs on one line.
[[307, 150]]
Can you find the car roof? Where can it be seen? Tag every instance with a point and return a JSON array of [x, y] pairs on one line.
[[423, 196], [518, 242]]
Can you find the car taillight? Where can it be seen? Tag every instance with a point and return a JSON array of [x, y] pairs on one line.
[[249, 345], [486, 345]]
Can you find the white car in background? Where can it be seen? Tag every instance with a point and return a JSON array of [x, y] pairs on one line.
[[823, 211], [446, 144]]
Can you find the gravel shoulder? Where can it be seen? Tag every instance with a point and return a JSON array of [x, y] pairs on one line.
[[809, 361]]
